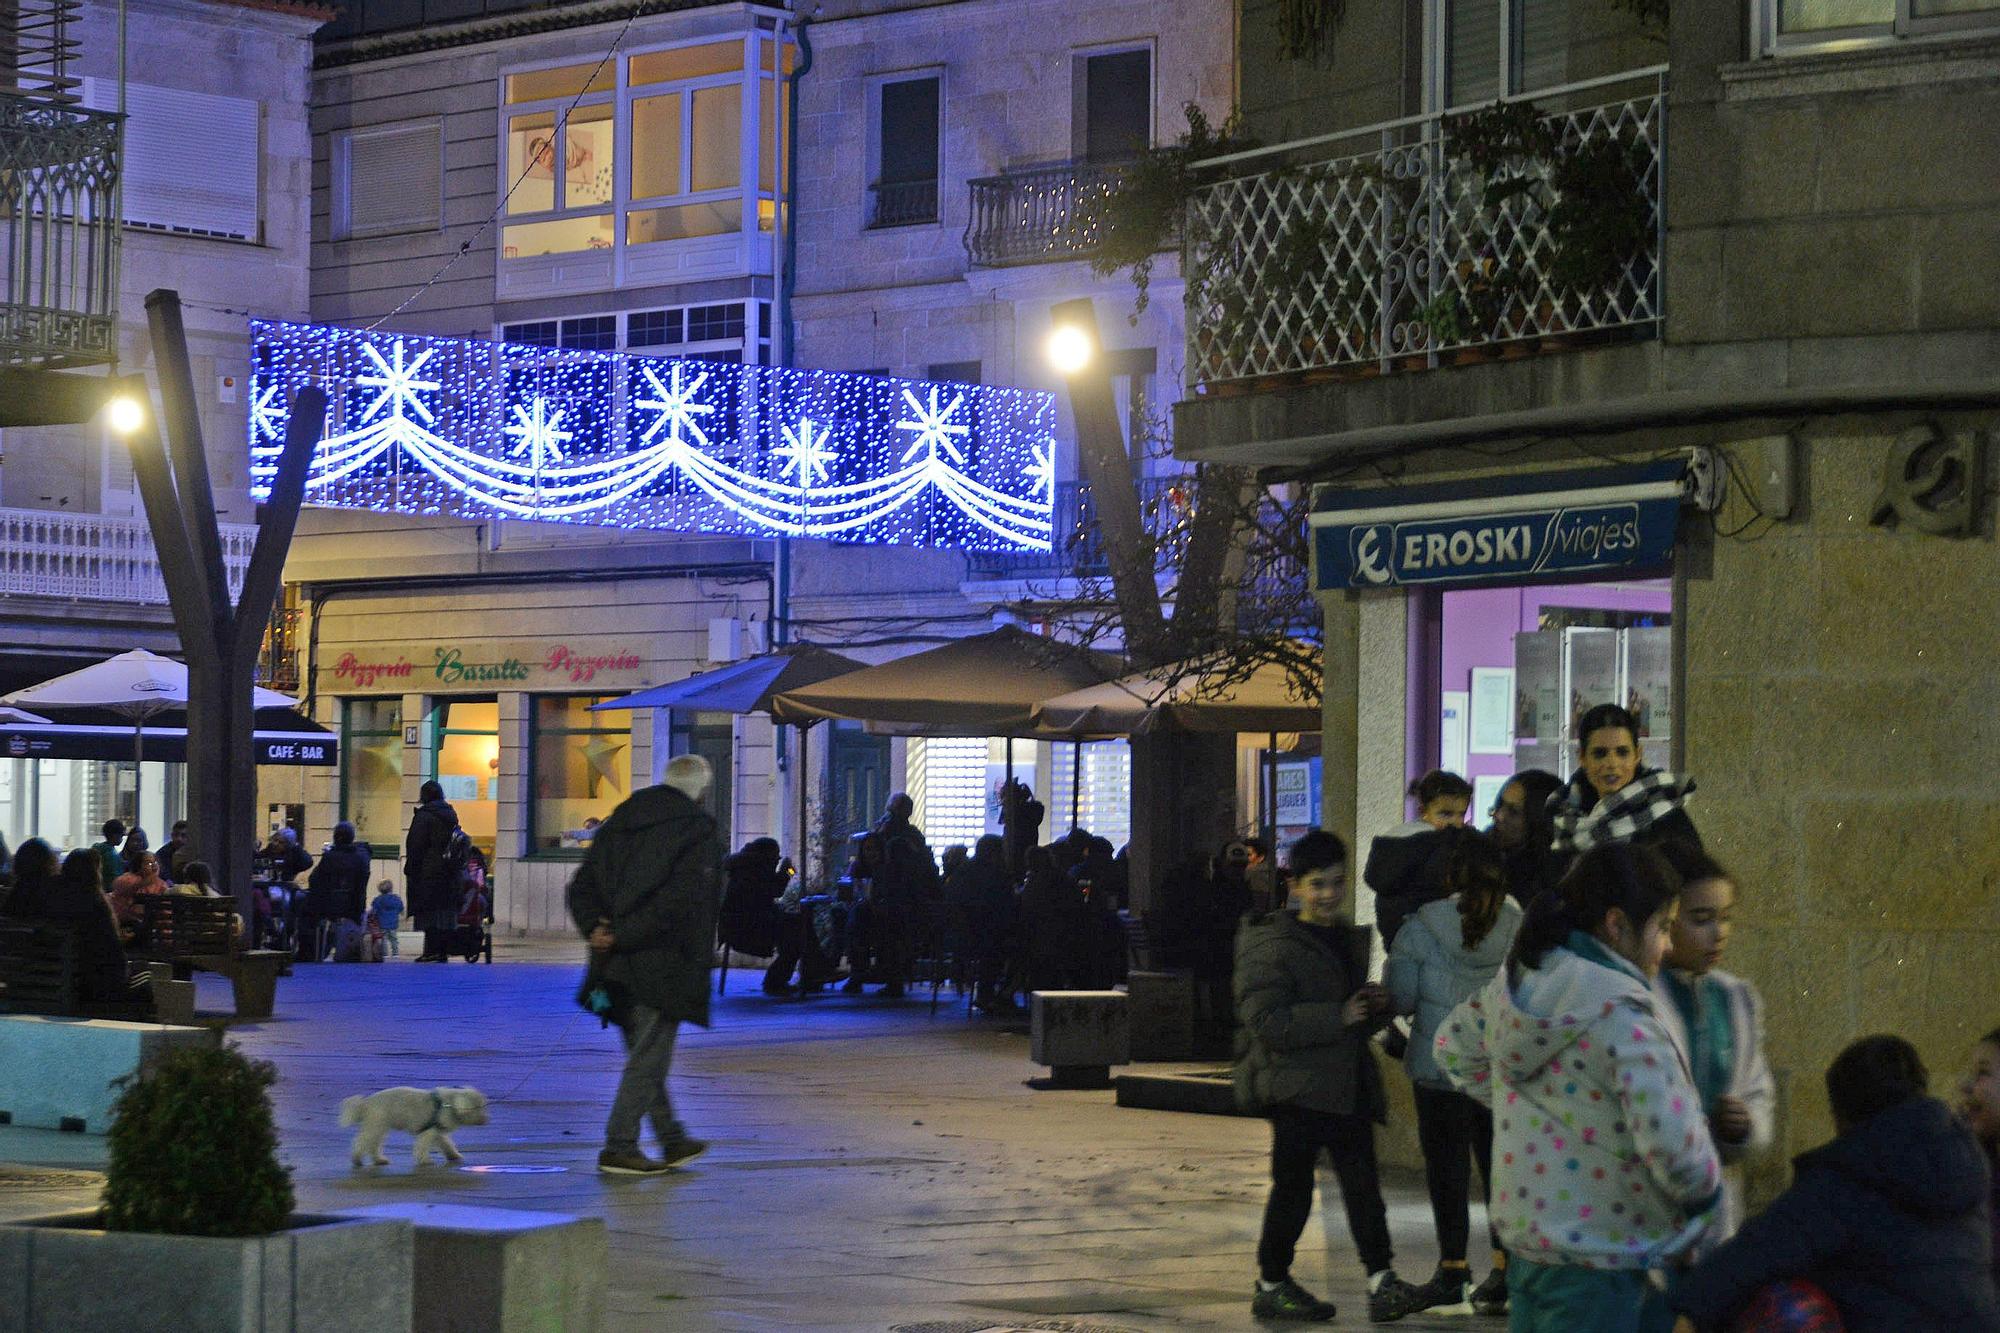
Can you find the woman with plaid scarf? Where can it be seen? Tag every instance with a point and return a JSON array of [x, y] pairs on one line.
[[1613, 797]]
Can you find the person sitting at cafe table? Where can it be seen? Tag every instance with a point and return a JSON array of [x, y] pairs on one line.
[[141, 877]]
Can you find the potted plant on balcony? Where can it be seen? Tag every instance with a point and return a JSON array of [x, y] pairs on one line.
[[197, 1228]]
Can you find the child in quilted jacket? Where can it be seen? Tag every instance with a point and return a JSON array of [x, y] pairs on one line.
[[1603, 1167]]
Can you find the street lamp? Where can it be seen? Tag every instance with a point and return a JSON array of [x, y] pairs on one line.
[[124, 414], [1070, 349]]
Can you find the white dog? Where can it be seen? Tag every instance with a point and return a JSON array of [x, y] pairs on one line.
[[431, 1116]]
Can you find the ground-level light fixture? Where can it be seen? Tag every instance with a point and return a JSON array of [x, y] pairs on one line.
[[124, 413], [1069, 349]]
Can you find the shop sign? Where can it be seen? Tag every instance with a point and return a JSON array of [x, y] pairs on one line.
[[1547, 528], [433, 668]]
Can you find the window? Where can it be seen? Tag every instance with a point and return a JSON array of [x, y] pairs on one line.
[[716, 332], [906, 153], [1804, 25], [1112, 106], [582, 769], [654, 149], [1132, 386], [953, 372], [389, 180], [203, 183], [713, 737], [371, 770], [1500, 48], [465, 757]]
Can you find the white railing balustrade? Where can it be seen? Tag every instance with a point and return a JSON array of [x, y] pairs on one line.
[[97, 557], [1383, 246]]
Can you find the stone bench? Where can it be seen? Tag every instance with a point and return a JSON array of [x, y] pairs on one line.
[[58, 1073], [1080, 1034], [503, 1270]]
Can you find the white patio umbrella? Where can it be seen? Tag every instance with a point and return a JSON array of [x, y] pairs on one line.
[[20, 716], [137, 685]]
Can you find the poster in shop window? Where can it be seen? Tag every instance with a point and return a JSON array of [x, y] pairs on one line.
[[1649, 676]]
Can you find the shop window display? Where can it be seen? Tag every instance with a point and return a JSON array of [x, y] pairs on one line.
[[582, 769], [371, 772], [465, 752]]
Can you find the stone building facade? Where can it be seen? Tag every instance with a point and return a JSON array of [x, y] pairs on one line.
[[1817, 310]]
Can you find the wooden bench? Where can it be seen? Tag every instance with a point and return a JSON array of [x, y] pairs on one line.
[[41, 973], [187, 932]]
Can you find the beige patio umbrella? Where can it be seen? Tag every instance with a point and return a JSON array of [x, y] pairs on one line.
[[1184, 699]]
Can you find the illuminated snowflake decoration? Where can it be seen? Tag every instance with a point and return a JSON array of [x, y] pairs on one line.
[[538, 432], [267, 415], [1042, 472], [805, 452], [934, 427], [399, 383], [675, 408]]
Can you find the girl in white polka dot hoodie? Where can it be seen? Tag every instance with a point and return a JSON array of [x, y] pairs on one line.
[[1603, 1167]]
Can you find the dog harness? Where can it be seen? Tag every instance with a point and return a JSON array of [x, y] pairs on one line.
[[437, 1115]]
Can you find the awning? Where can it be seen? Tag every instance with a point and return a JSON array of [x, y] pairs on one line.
[[1538, 527], [1183, 699], [984, 685], [283, 737], [742, 687]]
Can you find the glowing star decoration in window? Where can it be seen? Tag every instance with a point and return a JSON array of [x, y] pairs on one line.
[[933, 427], [805, 453], [448, 426], [538, 432]]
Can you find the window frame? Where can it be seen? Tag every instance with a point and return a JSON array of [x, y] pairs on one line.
[[438, 707], [753, 347], [531, 828], [347, 732], [1768, 42], [1437, 68], [1079, 98], [871, 176], [341, 223], [758, 67]]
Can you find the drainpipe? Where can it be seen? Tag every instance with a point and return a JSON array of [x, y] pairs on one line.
[[781, 582]]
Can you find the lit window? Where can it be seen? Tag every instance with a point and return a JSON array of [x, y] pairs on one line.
[[465, 759], [371, 769], [582, 769]]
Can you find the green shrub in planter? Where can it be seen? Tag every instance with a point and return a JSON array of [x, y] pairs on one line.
[[194, 1151]]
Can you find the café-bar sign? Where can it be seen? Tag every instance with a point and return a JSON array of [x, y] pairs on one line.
[[1547, 526], [482, 666]]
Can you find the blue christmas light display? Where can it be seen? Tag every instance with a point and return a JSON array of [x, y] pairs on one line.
[[421, 425]]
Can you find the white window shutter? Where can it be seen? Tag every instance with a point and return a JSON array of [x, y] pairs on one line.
[[394, 179], [191, 159]]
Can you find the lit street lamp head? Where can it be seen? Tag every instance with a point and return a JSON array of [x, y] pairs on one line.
[[124, 414], [1069, 349]]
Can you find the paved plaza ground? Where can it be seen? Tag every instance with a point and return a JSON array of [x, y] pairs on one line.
[[873, 1167]]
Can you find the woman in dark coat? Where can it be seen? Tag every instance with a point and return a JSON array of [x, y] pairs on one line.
[[34, 879], [1523, 827], [335, 891], [432, 883]]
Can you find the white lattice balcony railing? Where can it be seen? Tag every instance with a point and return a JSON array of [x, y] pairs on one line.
[[96, 557], [1384, 246]]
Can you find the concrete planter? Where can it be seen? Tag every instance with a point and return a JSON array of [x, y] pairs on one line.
[[327, 1274]]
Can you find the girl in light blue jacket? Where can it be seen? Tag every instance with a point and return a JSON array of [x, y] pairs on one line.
[[1444, 955]]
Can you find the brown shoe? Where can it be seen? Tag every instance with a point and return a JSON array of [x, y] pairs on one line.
[[682, 1150], [633, 1163]]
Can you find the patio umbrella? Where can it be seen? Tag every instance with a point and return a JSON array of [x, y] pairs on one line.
[[20, 715], [984, 685], [1183, 698], [137, 685], [748, 687]]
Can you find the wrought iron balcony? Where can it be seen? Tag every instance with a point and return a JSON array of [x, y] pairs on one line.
[[58, 233], [903, 203], [1037, 216], [97, 558], [1384, 247]]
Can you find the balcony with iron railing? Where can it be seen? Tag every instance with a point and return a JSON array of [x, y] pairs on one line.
[[58, 187], [1403, 246], [97, 557], [1037, 215], [903, 203]]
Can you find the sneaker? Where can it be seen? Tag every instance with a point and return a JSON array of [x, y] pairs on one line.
[[1288, 1300], [682, 1150], [1448, 1292], [851, 987], [1490, 1296], [1391, 1298], [614, 1162]]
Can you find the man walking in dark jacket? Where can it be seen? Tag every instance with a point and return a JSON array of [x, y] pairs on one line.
[[646, 898], [1889, 1219], [1306, 1010]]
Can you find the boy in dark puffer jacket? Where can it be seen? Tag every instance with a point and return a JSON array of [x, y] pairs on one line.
[[1306, 1011], [1889, 1219]]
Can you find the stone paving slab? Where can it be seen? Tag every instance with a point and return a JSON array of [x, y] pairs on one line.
[[871, 1167]]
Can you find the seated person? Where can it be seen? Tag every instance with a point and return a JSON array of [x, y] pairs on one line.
[[142, 876], [1889, 1219], [76, 898]]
